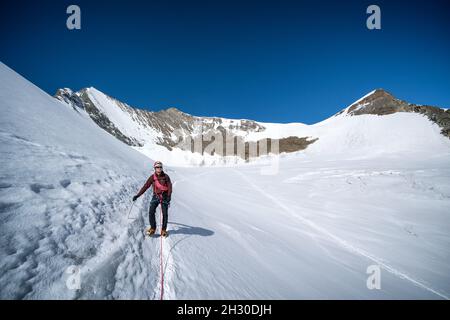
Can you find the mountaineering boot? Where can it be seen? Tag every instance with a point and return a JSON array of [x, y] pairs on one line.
[[151, 231], [164, 233]]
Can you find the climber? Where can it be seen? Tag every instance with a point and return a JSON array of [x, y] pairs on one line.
[[162, 192]]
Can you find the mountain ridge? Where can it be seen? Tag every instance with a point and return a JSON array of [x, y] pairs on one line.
[[167, 128]]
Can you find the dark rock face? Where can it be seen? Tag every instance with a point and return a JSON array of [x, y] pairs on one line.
[[66, 95], [382, 103], [292, 144]]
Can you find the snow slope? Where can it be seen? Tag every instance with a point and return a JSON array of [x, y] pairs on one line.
[[310, 230], [314, 231], [65, 187], [364, 135]]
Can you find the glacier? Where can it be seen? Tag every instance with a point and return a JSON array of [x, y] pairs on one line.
[[372, 191]]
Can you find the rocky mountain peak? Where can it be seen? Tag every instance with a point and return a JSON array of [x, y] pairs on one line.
[[379, 102]]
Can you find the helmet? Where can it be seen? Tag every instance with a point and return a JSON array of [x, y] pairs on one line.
[[157, 164]]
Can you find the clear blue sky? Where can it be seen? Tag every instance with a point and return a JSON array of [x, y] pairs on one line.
[[276, 61]]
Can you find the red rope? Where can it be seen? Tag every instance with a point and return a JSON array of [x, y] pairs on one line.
[[161, 254]]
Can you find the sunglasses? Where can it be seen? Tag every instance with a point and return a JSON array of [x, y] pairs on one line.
[[158, 167]]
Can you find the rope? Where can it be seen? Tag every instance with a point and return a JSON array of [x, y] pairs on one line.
[[161, 253], [128, 217]]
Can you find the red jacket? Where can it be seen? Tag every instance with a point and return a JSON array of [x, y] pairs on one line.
[[163, 179]]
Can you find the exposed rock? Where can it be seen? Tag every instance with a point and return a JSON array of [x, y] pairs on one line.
[[81, 100], [381, 103], [171, 123]]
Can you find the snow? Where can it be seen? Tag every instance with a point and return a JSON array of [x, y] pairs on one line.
[[126, 120], [364, 135], [120, 114], [363, 97], [345, 110], [310, 230], [358, 136], [184, 158], [313, 229], [65, 185]]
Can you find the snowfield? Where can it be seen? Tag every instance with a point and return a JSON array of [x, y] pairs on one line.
[[374, 192]]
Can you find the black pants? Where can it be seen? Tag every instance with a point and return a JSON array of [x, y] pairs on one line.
[[153, 205]]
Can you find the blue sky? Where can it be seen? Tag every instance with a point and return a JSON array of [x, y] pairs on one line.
[[274, 61]]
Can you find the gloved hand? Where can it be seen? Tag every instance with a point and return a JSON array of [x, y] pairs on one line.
[[135, 197]]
